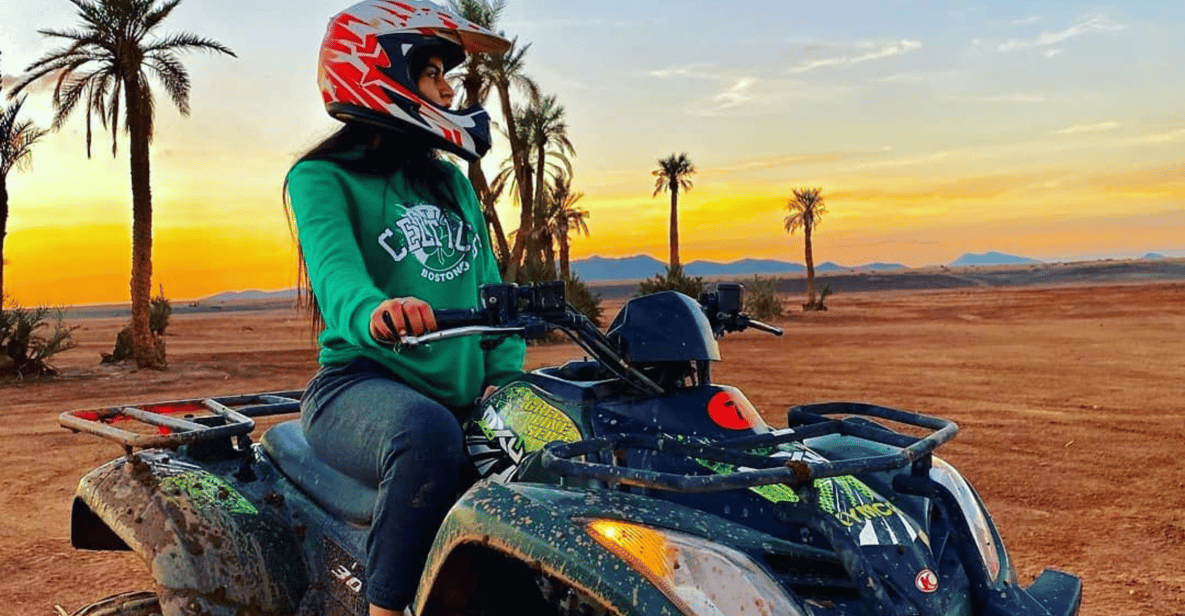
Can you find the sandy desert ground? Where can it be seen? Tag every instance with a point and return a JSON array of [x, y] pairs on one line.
[[1071, 402]]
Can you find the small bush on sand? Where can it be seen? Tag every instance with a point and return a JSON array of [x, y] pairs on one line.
[[159, 311], [761, 299], [673, 280], [29, 337], [818, 305]]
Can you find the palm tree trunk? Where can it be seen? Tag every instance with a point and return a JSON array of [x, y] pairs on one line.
[[674, 262], [517, 158], [565, 266], [3, 229], [477, 177], [547, 242], [144, 347], [499, 235], [536, 247], [526, 221], [810, 271]]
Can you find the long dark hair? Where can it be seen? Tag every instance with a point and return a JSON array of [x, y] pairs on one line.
[[370, 150]]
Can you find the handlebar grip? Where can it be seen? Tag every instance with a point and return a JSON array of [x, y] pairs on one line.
[[458, 317], [758, 325]]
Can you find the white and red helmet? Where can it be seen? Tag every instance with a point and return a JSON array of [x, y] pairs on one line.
[[365, 70]]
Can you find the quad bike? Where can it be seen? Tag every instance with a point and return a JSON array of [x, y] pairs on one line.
[[622, 483]]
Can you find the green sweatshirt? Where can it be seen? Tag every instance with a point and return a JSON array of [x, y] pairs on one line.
[[368, 238]]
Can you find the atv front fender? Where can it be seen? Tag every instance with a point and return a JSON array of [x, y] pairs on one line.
[[211, 550], [541, 528]]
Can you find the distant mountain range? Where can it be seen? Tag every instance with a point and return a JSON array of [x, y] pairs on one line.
[[645, 266], [991, 258], [252, 294]]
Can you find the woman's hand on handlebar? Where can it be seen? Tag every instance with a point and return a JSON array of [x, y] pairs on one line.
[[401, 316]]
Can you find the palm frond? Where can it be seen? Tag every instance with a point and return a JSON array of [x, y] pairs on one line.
[[111, 109], [187, 42], [52, 63], [90, 12], [16, 138], [173, 76], [673, 174], [154, 17], [806, 209], [72, 35], [67, 94]]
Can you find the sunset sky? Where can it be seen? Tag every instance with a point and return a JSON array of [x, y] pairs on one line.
[[1052, 130]]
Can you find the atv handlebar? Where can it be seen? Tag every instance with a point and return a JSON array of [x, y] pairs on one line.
[[534, 311], [454, 318]]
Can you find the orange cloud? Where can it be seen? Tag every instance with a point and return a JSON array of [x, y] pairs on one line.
[[968, 188], [1163, 181]]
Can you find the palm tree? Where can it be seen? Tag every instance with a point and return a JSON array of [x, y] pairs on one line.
[[506, 71], [674, 174], [105, 65], [564, 217], [806, 211], [16, 151], [545, 132], [475, 82]]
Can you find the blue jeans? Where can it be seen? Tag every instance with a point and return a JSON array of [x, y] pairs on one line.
[[372, 427]]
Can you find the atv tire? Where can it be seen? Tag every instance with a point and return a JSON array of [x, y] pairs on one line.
[[137, 603]]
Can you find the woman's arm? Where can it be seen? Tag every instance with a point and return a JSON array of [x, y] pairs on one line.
[[345, 292]]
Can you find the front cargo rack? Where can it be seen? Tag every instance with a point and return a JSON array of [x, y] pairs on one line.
[[221, 417], [806, 421]]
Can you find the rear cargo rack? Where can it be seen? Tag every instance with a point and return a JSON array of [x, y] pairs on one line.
[[808, 421], [224, 417]]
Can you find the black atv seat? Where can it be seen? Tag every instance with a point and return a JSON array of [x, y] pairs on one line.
[[341, 495]]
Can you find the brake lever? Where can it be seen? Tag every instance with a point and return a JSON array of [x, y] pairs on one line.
[[457, 332]]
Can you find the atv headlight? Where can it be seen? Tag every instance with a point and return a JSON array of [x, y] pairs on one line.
[[701, 577], [985, 539]]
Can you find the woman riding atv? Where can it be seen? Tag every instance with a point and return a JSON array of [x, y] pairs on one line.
[[388, 232]]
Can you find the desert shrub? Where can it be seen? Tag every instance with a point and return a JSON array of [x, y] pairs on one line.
[[761, 298], [535, 271], [30, 337], [159, 310], [819, 303], [673, 280], [583, 299]]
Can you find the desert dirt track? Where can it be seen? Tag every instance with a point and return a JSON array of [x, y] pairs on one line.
[[1071, 402]]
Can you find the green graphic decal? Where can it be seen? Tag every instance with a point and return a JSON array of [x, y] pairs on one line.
[[826, 495], [859, 508], [533, 419], [208, 492], [775, 492]]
